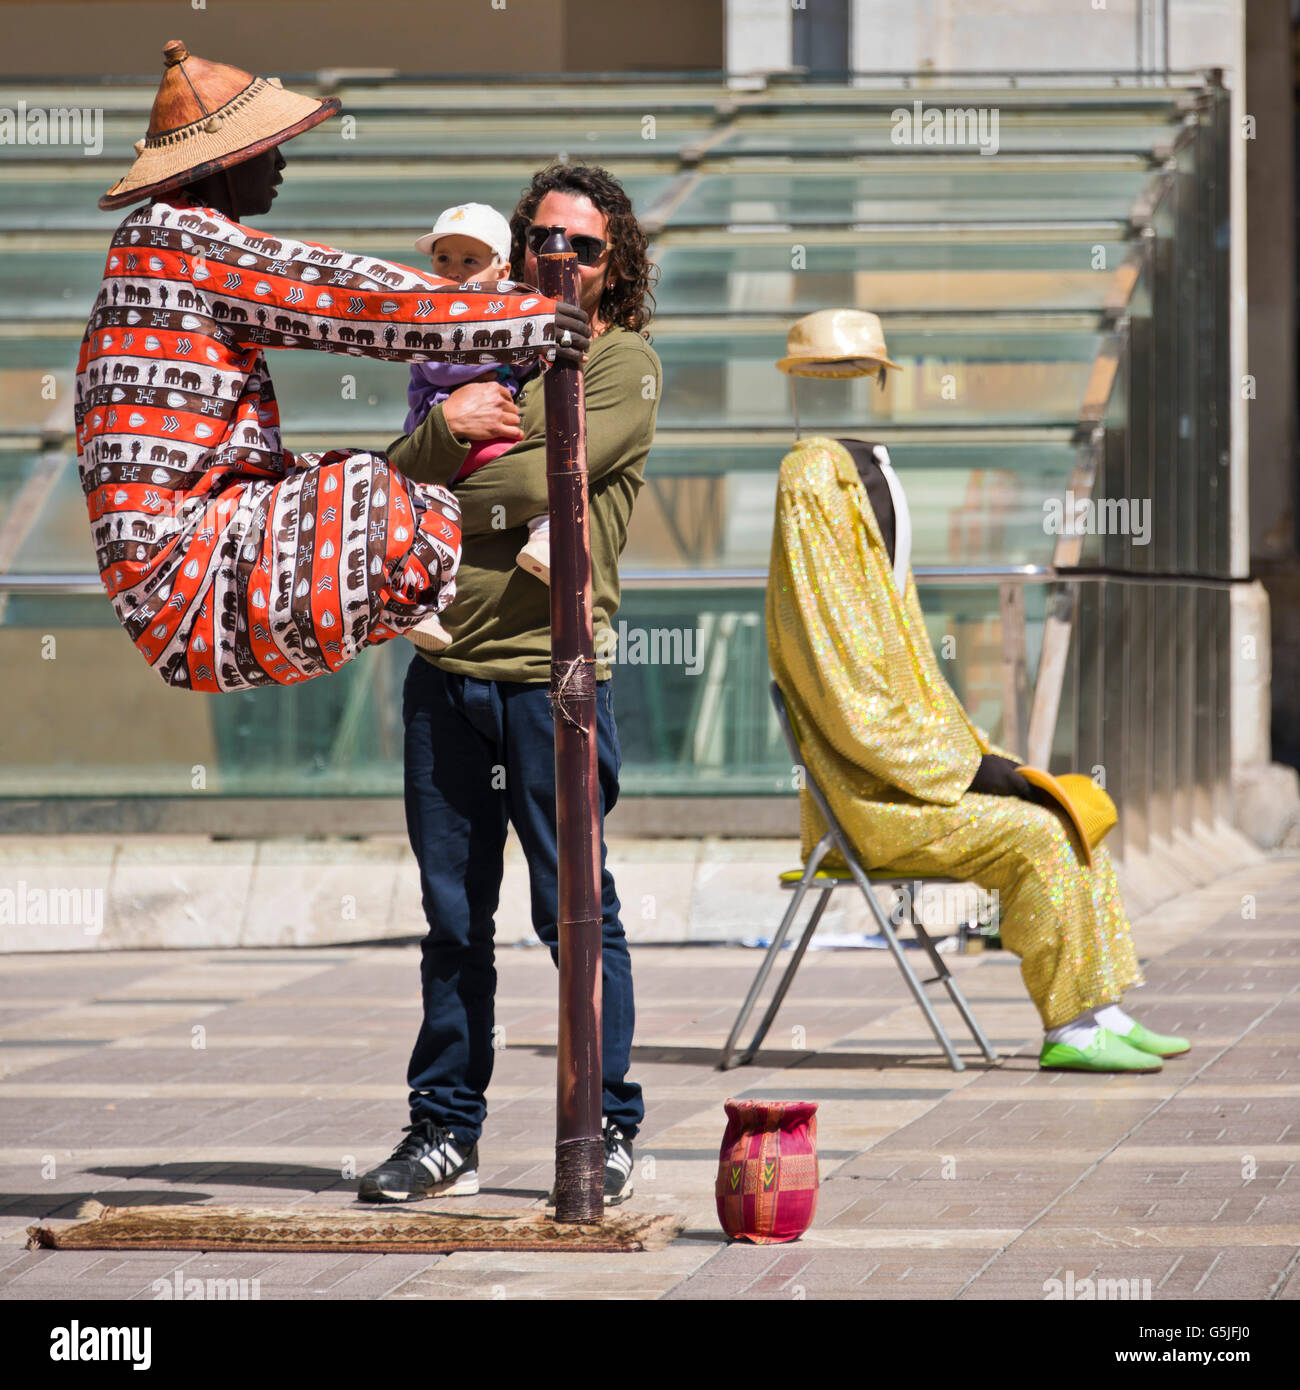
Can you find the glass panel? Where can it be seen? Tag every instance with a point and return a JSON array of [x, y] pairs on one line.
[[983, 191], [596, 137], [996, 328], [885, 277], [873, 131], [953, 373], [312, 200], [339, 736], [16, 469], [51, 284], [710, 729], [57, 538], [970, 504], [690, 695]]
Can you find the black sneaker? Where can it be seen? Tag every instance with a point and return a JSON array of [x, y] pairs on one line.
[[428, 1163], [618, 1167]]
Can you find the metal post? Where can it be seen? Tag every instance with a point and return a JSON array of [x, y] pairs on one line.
[[579, 1150]]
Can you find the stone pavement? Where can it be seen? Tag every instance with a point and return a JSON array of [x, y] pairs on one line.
[[266, 1076]]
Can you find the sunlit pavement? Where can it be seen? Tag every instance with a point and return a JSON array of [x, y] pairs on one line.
[[262, 1077]]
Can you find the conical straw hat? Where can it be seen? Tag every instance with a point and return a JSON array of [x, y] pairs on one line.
[[206, 117]]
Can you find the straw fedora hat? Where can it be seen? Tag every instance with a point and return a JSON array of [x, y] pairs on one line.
[[836, 343], [206, 117], [1089, 810]]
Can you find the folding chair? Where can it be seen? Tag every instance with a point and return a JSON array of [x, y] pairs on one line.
[[826, 882]]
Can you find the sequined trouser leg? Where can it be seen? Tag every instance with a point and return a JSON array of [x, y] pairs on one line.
[[1065, 921]]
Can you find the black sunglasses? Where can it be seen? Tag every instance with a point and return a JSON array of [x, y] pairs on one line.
[[588, 249]]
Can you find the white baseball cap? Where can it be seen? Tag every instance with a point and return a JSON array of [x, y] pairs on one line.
[[476, 220]]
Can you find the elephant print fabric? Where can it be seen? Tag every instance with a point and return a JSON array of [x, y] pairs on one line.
[[230, 562]]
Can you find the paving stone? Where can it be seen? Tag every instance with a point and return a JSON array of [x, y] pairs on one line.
[[988, 1183]]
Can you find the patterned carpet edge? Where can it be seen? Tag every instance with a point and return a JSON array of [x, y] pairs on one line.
[[380, 1231]]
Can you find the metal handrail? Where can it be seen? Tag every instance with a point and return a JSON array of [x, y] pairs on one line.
[[643, 579]]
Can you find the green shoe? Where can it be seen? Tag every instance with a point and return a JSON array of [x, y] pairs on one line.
[[1155, 1044], [1105, 1052]]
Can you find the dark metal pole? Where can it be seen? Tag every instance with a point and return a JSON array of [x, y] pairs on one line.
[[579, 1150]]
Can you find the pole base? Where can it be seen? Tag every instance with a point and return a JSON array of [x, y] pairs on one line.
[[580, 1179]]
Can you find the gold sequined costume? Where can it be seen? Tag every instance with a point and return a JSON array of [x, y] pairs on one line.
[[893, 750]]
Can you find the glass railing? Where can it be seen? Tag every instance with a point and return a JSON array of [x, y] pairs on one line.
[[902, 276], [1030, 372], [969, 505], [690, 686], [997, 281], [733, 276], [969, 188], [313, 196]]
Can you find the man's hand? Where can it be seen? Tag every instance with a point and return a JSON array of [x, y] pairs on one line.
[[482, 410], [573, 321]]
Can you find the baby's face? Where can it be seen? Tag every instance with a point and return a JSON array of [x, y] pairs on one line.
[[462, 258]]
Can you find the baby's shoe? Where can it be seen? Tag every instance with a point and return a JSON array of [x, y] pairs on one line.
[[535, 557], [429, 635]]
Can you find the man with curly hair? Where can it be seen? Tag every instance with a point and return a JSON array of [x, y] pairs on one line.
[[480, 745]]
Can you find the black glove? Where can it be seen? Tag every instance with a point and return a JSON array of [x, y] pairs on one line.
[[997, 776], [572, 320]]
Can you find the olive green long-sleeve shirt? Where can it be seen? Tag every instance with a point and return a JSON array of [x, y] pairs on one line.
[[499, 620]]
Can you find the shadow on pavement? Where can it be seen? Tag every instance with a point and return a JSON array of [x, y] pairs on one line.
[[67, 1204], [707, 1057], [296, 1177]]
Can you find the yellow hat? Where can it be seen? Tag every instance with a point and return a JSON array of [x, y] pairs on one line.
[[836, 343], [1090, 811]]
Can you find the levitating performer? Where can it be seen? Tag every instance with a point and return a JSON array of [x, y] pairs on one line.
[[915, 785], [230, 562]]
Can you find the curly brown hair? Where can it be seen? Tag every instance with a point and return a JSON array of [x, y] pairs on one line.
[[628, 299]]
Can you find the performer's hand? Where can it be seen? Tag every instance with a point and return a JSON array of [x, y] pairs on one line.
[[482, 410], [997, 776], [573, 321]]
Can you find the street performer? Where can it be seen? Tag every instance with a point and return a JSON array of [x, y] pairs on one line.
[[230, 562], [916, 787]]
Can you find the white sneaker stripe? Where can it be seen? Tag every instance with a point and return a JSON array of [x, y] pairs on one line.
[[441, 1161]]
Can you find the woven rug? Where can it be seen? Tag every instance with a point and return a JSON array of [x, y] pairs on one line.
[[380, 1231]]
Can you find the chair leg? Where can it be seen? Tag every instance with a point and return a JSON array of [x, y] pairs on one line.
[[900, 959], [786, 980], [944, 976], [814, 861]]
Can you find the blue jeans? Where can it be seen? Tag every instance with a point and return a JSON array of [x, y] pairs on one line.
[[481, 755]]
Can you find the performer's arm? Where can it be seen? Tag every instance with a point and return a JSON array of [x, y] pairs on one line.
[[278, 292]]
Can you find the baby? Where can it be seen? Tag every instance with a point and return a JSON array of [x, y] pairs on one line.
[[471, 242]]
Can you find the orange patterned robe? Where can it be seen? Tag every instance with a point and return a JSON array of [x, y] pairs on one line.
[[231, 562]]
